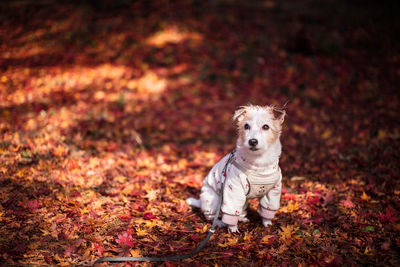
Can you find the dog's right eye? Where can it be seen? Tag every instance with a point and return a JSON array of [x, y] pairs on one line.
[[246, 126]]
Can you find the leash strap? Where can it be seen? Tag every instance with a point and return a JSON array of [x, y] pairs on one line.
[[184, 256]]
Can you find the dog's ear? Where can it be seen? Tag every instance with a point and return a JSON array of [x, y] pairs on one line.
[[279, 113], [239, 114], [281, 117]]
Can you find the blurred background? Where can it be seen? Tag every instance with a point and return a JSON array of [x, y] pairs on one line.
[[174, 71], [93, 90]]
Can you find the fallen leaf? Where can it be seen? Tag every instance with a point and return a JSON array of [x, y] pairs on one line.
[[287, 231], [120, 179], [268, 239], [347, 203], [290, 207], [135, 253], [368, 229], [229, 242], [149, 216], [151, 195], [125, 239], [328, 198], [141, 232], [365, 197]]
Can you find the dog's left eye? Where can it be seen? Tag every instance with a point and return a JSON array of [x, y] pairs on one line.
[[265, 127]]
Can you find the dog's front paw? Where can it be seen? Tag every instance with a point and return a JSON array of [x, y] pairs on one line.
[[233, 229], [266, 222]]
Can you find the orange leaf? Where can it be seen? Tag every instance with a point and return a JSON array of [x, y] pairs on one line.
[[287, 231], [365, 197], [230, 242]]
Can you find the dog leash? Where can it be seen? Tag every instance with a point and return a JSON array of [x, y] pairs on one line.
[[184, 256]]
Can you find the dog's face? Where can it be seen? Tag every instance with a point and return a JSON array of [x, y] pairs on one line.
[[258, 127]]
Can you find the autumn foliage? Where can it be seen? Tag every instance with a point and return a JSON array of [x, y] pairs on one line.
[[112, 113]]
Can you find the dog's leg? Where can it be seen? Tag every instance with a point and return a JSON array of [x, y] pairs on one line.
[[266, 222], [233, 229], [194, 202], [243, 214]]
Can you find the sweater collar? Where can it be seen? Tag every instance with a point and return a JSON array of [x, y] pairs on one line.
[[245, 164]]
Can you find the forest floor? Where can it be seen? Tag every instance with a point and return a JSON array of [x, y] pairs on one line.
[[112, 114]]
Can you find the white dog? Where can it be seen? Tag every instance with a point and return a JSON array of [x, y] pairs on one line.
[[253, 171]]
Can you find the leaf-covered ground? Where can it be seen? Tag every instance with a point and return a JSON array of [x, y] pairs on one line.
[[112, 113]]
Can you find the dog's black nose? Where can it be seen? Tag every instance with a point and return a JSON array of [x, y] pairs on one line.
[[253, 142]]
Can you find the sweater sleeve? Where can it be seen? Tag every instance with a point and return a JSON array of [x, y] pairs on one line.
[[234, 201], [270, 202]]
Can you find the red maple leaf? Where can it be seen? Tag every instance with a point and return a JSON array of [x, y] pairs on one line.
[[125, 240], [289, 196], [388, 216], [149, 216]]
